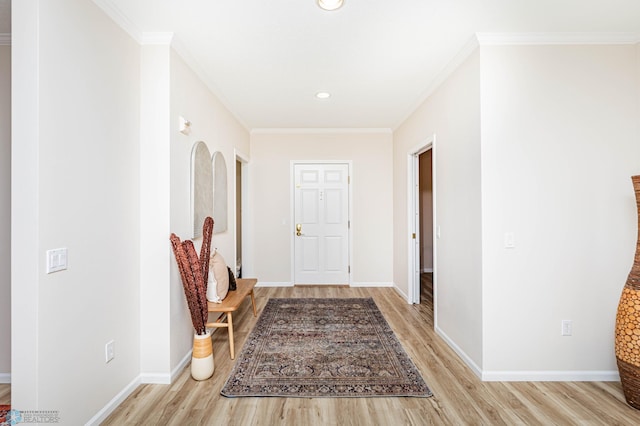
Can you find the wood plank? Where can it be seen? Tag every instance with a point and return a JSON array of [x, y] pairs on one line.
[[5, 394]]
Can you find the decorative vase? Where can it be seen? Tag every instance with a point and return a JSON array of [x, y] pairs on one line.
[[202, 357], [628, 324]]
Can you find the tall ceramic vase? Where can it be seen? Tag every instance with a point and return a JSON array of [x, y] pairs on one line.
[[628, 324], [202, 357]]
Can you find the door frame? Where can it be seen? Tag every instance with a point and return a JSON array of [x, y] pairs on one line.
[[247, 263], [292, 212], [413, 220]]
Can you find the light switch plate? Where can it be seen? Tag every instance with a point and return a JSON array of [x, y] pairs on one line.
[[56, 260]]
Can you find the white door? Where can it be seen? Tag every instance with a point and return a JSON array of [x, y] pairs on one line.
[[321, 226]]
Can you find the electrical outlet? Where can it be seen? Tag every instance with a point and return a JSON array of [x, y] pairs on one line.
[[509, 240], [567, 327], [109, 351]]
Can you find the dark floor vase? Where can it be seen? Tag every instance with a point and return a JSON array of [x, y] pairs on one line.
[[628, 324]]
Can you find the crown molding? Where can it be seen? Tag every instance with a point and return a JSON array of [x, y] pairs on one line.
[[442, 76], [120, 18], [162, 39], [319, 130], [5, 39], [511, 39], [195, 66]]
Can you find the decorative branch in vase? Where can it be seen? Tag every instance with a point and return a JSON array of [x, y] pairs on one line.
[[194, 272]]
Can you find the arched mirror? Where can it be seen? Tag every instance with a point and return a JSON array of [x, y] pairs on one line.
[[201, 187], [219, 193]]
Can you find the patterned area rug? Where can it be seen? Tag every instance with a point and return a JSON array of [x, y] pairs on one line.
[[4, 409], [323, 348]]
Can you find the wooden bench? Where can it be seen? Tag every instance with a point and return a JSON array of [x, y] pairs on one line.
[[230, 304]]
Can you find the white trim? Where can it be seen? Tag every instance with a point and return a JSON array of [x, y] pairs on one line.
[[273, 284], [181, 365], [427, 270], [400, 292], [155, 379], [441, 77], [142, 38], [119, 18], [462, 354], [156, 38], [519, 39], [114, 403], [167, 379], [195, 66], [372, 284], [5, 39], [5, 378], [550, 376], [271, 131]]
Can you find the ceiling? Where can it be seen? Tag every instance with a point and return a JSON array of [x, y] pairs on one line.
[[266, 60]]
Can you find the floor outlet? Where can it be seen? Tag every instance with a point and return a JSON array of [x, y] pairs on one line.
[[109, 351]]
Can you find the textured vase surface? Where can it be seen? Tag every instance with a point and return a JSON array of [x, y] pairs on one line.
[[202, 357], [627, 343]]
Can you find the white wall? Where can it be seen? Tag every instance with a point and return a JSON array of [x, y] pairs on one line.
[[270, 199], [560, 139], [452, 113], [155, 226], [212, 123], [75, 185], [5, 213]]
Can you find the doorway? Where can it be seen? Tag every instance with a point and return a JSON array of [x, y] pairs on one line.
[[425, 206], [422, 221], [321, 223], [243, 262]]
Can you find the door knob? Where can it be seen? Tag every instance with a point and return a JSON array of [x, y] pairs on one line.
[[298, 229]]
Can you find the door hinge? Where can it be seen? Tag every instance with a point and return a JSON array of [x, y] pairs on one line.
[[349, 269], [413, 235], [348, 180], [349, 224]]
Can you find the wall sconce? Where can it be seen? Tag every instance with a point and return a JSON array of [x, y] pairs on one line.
[[185, 126]]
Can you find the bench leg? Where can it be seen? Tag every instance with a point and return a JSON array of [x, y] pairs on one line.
[[253, 302], [230, 327]]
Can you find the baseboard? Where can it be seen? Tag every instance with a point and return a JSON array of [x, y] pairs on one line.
[[114, 403], [5, 378], [166, 379], [369, 284], [530, 376], [462, 354], [273, 284], [353, 284], [427, 270], [155, 379], [550, 376], [402, 294], [181, 365]]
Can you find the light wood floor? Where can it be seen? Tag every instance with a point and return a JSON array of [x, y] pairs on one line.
[[5, 394], [460, 398]]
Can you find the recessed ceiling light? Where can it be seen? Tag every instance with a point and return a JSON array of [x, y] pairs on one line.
[[330, 4], [323, 95]]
